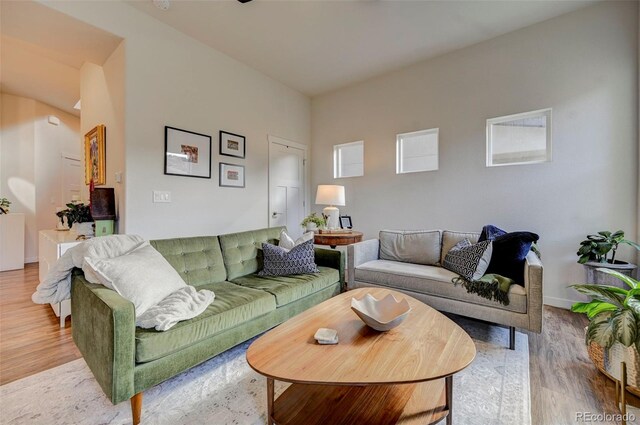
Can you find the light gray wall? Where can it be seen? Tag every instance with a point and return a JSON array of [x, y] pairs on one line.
[[172, 79], [583, 65]]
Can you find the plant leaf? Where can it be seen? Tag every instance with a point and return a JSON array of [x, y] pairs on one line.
[[633, 244], [601, 329], [631, 282], [633, 303], [605, 293], [605, 233], [600, 308], [584, 307], [625, 327]]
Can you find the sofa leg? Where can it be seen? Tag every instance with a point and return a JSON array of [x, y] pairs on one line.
[[136, 408], [512, 338]]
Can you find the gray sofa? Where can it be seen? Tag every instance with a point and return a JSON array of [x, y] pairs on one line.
[[410, 261]]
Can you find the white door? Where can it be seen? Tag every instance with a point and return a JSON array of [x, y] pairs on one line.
[[72, 178], [286, 185]]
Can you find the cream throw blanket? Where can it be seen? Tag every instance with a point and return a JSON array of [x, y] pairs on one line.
[[183, 304]]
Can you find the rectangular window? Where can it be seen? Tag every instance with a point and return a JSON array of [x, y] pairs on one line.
[[519, 139], [348, 160], [417, 151]]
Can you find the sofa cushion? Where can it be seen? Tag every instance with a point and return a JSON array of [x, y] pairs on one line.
[[451, 238], [431, 280], [240, 250], [279, 261], [142, 276], [233, 306], [287, 289], [198, 260], [410, 246], [469, 260]]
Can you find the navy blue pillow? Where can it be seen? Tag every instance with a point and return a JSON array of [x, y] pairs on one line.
[[509, 251], [490, 232]]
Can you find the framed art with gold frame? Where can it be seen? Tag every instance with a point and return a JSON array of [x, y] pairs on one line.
[[95, 156]]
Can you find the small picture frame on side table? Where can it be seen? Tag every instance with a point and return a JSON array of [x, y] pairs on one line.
[[232, 144], [345, 222], [231, 175]]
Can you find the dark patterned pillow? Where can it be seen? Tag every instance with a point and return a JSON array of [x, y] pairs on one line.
[[280, 262], [469, 260]]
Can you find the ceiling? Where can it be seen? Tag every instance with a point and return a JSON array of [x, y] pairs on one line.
[[319, 46], [42, 51]]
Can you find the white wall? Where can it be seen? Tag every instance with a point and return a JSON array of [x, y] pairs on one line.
[[31, 164], [583, 65], [102, 95], [171, 79]]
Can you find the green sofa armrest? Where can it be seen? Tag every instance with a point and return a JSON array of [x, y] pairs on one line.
[[331, 258], [103, 329]]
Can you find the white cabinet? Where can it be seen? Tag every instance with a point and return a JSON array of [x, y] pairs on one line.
[[11, 241], [52, 244]]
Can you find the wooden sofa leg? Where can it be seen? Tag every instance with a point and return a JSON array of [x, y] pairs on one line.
[[136, 408], [512, 338]]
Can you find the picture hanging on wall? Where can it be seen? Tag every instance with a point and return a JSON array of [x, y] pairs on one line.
[[187, 153], [95, 156], [232, 144], [231, 175]]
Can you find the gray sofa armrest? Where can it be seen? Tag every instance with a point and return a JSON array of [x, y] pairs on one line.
[[360, 253], [533, 278]]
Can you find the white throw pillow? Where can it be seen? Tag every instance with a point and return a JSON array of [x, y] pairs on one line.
[[288, 243], [142, 276]]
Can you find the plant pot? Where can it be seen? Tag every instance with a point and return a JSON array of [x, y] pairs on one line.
[[608, 360], [311, 227], [85, 229], [596, 277]]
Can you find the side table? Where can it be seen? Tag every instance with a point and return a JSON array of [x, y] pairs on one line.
[[335, 239]]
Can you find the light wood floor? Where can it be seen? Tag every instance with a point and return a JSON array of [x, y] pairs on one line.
[[31, 339], [563, 380]]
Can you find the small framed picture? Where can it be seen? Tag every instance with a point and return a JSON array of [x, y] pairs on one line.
[[232, 144], [231, 175], [345, 222], [187, 153]]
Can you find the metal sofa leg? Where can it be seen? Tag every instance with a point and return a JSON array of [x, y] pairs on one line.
[[136, 408], [512, 338]]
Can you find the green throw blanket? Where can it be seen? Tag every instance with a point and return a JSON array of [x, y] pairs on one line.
[[490, 286]]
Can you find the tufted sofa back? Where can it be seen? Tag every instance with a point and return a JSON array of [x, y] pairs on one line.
[[198, 260], [240, 250]]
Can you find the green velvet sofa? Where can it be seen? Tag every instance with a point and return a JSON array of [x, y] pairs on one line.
[[126, 360]]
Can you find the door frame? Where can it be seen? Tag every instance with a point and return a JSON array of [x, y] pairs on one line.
[[275, 140]]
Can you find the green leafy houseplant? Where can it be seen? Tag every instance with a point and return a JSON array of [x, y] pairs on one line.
[[75, 213], [4, 205], [596, 248], [614, 313], [315, 219]]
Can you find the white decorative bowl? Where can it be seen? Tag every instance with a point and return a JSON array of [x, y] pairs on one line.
[[382, 315]]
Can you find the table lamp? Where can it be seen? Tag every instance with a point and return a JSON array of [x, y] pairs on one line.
[[331, 195]]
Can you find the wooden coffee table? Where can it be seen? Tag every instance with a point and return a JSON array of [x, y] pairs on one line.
[[402, 376]]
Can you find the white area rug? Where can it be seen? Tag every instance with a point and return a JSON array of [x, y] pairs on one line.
[[493, 390]]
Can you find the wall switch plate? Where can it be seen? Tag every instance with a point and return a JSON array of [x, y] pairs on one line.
[[119, 177], [161, 196]]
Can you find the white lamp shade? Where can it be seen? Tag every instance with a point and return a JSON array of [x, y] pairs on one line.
[[330, 194]]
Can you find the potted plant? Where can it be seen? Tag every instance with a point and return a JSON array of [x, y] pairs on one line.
[[613, 334], [599, 251], [313, 222], [4, 205], [80, 215]]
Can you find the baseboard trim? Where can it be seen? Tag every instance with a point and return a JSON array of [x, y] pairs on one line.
[[31, 260], [559, 302]]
